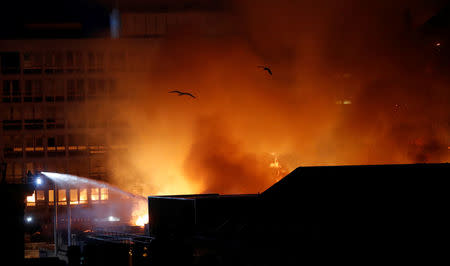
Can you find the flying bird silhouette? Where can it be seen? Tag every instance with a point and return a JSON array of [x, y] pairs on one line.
[[180, 93], [267, 69]]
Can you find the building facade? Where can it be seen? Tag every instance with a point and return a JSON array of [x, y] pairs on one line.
[[58, 104]]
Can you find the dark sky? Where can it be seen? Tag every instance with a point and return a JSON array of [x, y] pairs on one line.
[[93, 14]]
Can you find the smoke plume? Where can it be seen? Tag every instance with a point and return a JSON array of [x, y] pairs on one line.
[[351, 84]]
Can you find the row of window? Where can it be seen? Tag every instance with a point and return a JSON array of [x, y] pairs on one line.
[[34, 148], [73, 140], [35, 62], [58, 90], [39, 124], [72, 196], [93, 167]]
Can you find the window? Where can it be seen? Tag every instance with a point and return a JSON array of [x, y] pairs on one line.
[[74, 196], [77, 144], [95, 61], [18, 171], [104, 193], [40, 195], [80, 90], [62, 198], [32, 62], [34, 145], [59, 90], [78, 62], [91, 61], [55, 145], [71, 92], [12, 119], [53, 62], [69, 60], [12, 147], [33, 91], [94, 194], [49, 88], [58, 166], [75, 90], [83, 195], [10, 63], [77, 166], [96, 143], [31, 200], [11, 91], [12, 124], [97, 167], [33, 117], [14, 172], [51, 196], [55, 117]]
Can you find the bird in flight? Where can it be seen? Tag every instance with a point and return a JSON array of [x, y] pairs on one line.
[[267, 69], [180, 93]]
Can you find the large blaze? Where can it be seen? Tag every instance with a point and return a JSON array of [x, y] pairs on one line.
[[352, 83]]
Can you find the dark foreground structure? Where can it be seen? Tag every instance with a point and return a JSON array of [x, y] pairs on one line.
[[314, 215]]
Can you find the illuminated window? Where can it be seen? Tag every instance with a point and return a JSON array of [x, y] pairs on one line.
[[83, 195], [31, 200], [62, 197], [94, 194], [104, 194], [40, 195], [74, 196], [51, 196]]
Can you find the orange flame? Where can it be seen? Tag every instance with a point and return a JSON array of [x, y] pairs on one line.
[[140, 214]]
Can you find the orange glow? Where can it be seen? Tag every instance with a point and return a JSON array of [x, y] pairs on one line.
[[104, 194], [51, 196], [140, 214], [142, 220], [321, 107], [40, 195], [94, 194], [31, 200], [74, 196], [62, 197], [83, 195]]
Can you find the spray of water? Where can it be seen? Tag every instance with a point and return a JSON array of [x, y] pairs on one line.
[[71, 180], [139, 213]]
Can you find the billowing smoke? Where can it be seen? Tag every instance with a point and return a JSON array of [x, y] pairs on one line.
[[217, 160], [353, 83]]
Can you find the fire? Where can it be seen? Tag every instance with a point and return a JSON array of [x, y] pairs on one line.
[[141, 220], [277, 166], [139, 215], [275, 163]]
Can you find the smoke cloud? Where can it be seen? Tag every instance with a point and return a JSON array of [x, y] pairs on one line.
[[353, 83]]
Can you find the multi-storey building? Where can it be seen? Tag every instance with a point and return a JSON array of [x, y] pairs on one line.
[[57, 97], [60, 112], [58, 101]]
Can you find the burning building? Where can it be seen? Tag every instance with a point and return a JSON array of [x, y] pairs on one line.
[[64, 206]]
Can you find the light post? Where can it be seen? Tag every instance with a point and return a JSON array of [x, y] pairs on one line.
[[55, 224]]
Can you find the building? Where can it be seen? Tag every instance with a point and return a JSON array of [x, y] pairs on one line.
[[61, 90], [60, 95], [314, 215]]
